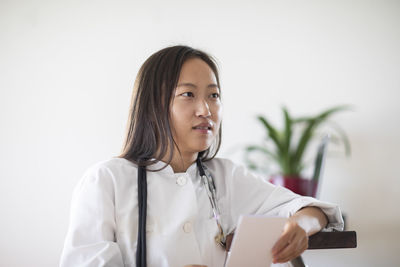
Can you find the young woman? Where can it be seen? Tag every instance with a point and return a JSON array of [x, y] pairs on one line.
[[174, 133]]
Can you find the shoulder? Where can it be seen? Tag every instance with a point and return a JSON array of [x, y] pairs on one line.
[[219, 163], [233, 172], [224, 165], [108, 172], [227, 168], [113, 164]]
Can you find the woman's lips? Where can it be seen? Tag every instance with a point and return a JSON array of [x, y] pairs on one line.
[[203, 128]]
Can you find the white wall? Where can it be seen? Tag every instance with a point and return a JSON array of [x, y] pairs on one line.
[[67, 69]]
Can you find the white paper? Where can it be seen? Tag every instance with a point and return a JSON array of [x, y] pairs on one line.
[[253, 240]]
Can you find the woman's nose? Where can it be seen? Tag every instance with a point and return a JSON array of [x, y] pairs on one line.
[[203, 109]]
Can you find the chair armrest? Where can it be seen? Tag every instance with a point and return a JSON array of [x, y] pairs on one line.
[[337, 239]]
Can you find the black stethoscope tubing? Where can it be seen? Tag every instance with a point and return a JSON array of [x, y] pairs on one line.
[[142, 200]]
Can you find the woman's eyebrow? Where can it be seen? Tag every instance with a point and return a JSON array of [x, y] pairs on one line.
[[187, 84], [211, 85]]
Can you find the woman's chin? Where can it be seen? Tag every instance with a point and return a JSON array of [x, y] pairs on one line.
[[201, 148]]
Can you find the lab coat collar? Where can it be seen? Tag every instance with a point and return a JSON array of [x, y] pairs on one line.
[[168, 169]]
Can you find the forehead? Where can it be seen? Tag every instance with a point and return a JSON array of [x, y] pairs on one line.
[[197, 70]]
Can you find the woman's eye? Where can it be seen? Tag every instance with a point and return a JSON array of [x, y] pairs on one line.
[[188, 94], [215, 95]]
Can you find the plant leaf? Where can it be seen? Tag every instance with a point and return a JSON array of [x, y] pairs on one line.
[[272, 132], [288, 130], [312, 123], [261, 149]]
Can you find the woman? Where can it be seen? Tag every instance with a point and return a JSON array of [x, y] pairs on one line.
[[174, 131]]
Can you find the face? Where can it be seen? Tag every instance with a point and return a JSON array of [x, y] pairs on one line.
[[196, 108]]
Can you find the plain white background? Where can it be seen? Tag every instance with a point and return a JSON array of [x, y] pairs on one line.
[[67, 69]]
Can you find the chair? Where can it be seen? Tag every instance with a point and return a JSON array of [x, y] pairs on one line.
[[328, 240]]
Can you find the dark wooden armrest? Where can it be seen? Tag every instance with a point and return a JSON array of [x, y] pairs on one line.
[[337, 239], [323, 240]]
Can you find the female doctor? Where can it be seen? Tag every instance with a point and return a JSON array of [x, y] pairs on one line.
[[174, 132]]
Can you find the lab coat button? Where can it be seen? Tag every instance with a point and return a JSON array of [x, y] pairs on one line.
[[187, 227], [181, 180]]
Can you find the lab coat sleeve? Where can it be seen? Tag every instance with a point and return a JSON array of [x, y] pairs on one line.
[[90, 239], [251, 194]]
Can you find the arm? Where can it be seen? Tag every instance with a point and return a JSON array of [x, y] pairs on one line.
[[294, 239], [242, 192], [311, 219], [247, 193], [90, 240]]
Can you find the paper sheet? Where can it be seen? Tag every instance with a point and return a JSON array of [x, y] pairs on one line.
[[253, 240]]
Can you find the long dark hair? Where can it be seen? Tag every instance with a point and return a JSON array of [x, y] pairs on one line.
[[149, 134]]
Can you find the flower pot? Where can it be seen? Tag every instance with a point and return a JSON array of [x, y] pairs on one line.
[[298, 185]]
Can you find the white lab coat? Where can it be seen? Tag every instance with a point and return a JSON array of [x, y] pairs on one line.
[[180, 224]]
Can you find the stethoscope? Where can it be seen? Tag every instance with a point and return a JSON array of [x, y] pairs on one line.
[[209, 185]]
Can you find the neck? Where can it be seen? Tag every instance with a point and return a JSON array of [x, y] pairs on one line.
[[180, 163]]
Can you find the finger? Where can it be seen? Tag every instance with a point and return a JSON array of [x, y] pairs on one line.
[[287, 251], [293, 256], [292, 250], [295, 246], [288, 231], [282, 242], [299, 246]]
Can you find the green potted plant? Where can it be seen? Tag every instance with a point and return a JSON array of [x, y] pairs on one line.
[[287, 147]]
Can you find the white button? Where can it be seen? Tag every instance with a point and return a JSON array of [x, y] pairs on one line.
[[181, 180], [187, 227]]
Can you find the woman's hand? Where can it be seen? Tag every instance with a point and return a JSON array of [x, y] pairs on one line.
[[294, 239], [291, 244]]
